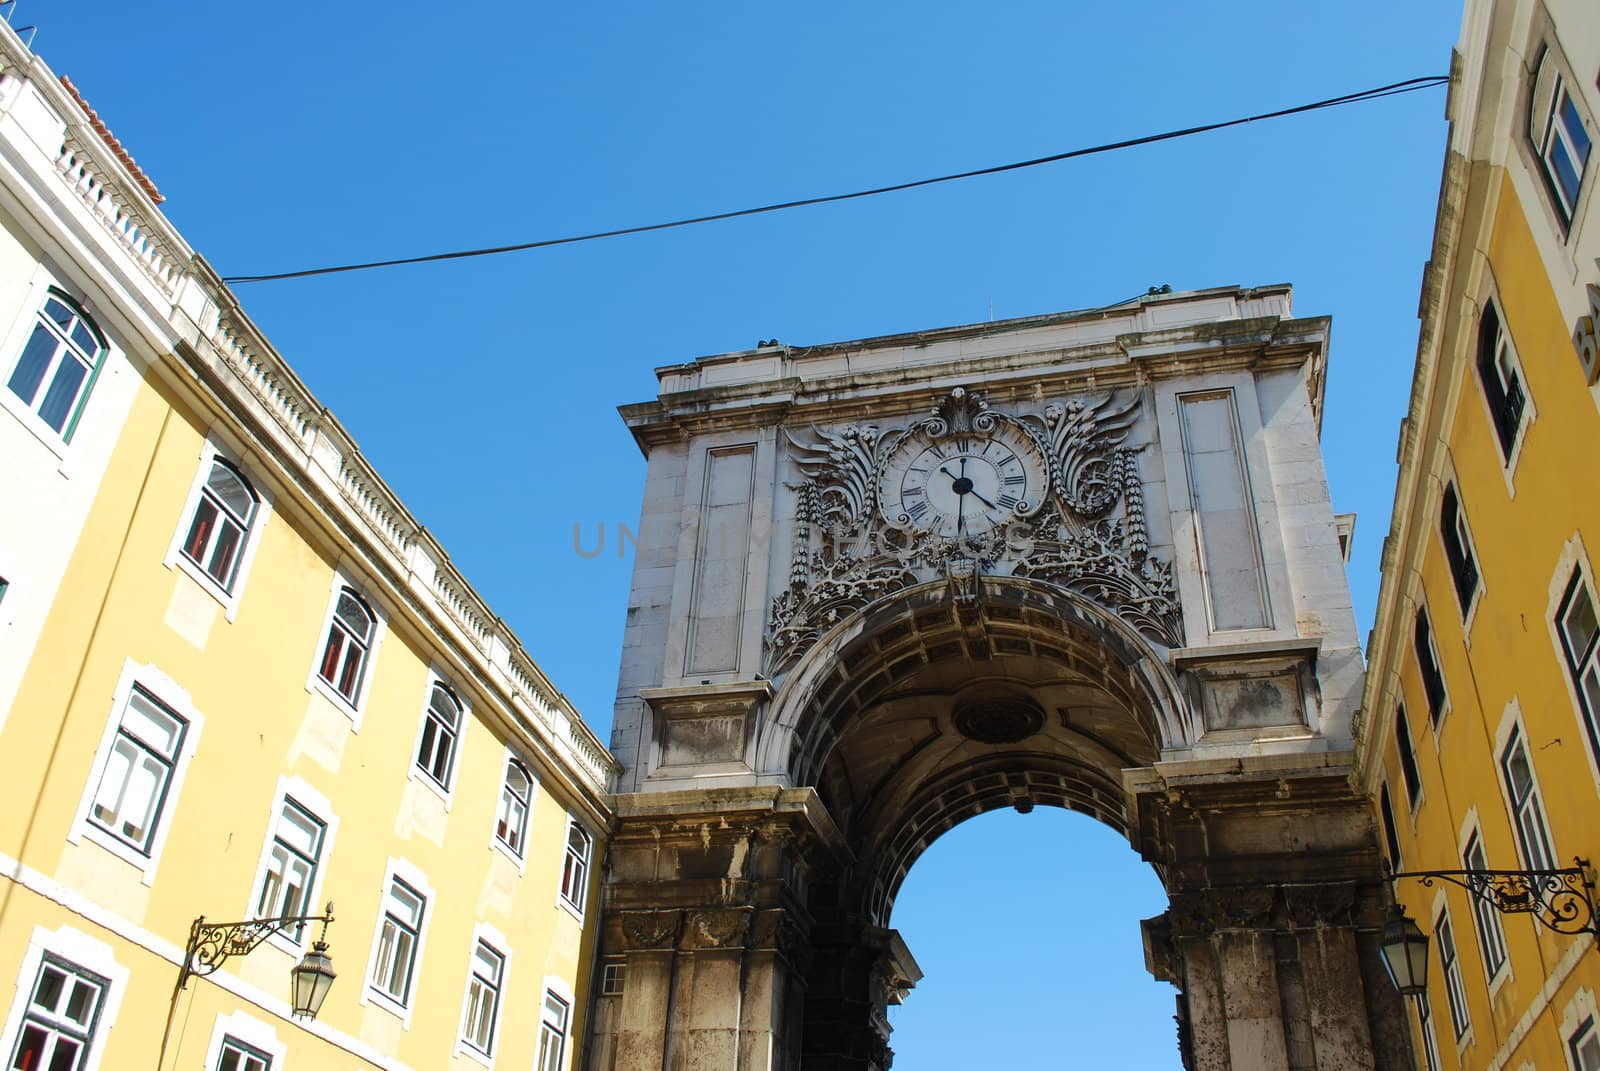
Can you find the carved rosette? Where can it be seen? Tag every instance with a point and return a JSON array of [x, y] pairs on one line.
[[1089, 537]]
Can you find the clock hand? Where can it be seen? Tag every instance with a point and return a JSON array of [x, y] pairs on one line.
[[980, 498], [947, 472]]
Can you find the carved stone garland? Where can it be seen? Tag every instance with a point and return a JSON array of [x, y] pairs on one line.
[[847, 554]]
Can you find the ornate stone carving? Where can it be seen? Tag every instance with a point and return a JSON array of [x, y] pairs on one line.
[[716, 928], [650, 930], [1087, 535]]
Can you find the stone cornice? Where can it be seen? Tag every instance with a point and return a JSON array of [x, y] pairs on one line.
[[845, 394]]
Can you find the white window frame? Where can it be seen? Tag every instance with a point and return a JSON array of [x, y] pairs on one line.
[[83, 951], [166, 691], [1513, 730], [1505, 355], [492, 939], [1555, 131], [314, 802], [415, 772], [245, 1028], [59, 443], [1430, 1033], [1455, 985], [613, 976], [1580, 1020], [351, 708], [1576, 665], [517, 855], [412, 876], [1435, 719], [558, 988], [1487, 926], [212, 451], [1390, 828], [575, 907], [1463, 533]]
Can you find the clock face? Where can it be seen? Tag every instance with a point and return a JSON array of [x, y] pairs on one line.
[[963, 485]]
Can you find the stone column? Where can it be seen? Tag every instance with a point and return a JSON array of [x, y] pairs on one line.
[[705, 898], [1277, 903]]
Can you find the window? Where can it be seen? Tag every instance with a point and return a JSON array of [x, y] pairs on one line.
[[1576, 624], [1454, 988], [1458, 547], [350, 633], [1391, 835], [58, 364], [440, 725], [511, 825], [132, 790], [1527, 810], [483, 998], [1501, 378], [1428, 665], [292, 861], [58, 1024], [613, 977], [1408, 756], [1563, 146], [237, 1056], [1485, 915], [398, 934], [1585, 1046], [575, 870], [1430, 1040], [221, 523], [552, 1034]]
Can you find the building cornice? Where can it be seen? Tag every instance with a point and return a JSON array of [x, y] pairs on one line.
[[837, 391], [79, 197]]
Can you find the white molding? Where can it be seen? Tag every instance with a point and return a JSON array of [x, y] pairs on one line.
[[414, 877], [83, 951], [1511, 719], [308, 797], [345, 578], [447, 791], [488, 934], [244, 1027], [1574, 556], [212, 448], [95, 914], [495, 843], [169, 693]]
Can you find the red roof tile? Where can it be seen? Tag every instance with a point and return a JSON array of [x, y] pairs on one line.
[[110, 139]]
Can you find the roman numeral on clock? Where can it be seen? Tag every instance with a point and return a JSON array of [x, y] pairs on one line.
[[1015, 481], [917, 509], [912, 492], [1010, 503]]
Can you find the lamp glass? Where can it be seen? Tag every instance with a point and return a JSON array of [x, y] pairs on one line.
[[310, 981], [1405, 954]]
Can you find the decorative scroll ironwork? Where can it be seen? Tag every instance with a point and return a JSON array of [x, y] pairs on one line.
[[1088, 534], [213, 943], [1563, 900]]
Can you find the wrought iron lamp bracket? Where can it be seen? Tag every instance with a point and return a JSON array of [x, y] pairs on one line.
[[212, 943], [1562, 900]]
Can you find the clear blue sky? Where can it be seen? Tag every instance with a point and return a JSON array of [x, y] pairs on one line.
[[485, 391]]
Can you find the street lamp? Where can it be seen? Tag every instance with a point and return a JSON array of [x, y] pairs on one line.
[[1405, 953], [212, 943], [1561, 900]]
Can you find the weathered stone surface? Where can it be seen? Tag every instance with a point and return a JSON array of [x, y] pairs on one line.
[[1084, 560]]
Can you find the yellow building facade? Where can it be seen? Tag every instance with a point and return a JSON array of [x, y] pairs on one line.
[[239, 680], [1480, 725]]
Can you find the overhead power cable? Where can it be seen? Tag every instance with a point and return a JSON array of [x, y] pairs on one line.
[[1410, 85]]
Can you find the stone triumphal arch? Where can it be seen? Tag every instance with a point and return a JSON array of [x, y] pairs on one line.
[[1084, 560]]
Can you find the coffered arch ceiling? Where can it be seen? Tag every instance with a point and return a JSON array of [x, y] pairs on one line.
[[923, 711]]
